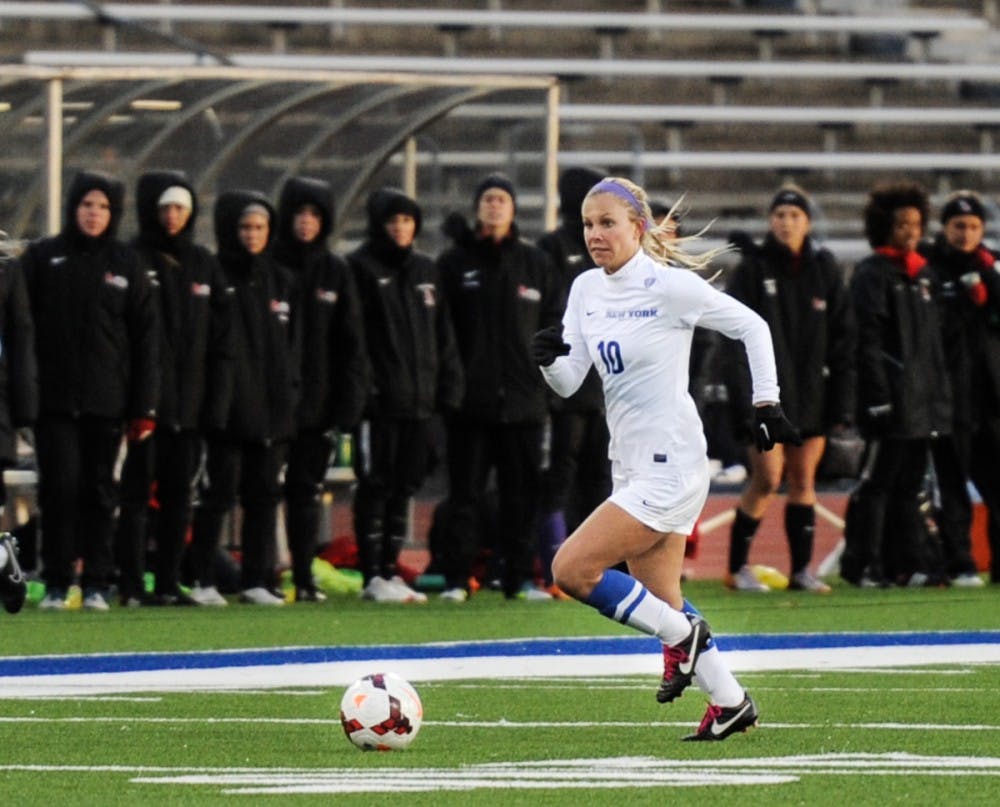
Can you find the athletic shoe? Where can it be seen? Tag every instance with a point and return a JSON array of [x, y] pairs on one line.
[[94, 600], [208, 596], [176, 597], [532, 593], [557, 593], [719, 722], [408, 594], [731, 475], [309, 595], [745, 580], [54, 600], [381, 590], [679, 660], [258, 595], [13, 587], [805, 581], [967, 580], [456, 594]]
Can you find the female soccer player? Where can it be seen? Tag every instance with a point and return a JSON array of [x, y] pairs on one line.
[[633, 317]]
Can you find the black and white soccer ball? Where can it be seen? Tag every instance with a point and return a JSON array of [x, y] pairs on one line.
[[381, 712]]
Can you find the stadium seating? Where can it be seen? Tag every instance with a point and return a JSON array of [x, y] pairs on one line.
[[722, 99]]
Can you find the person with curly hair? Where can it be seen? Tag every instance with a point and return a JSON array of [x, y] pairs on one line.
[[904, 395]]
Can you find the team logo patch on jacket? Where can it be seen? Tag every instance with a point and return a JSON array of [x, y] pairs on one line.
[[200, 290], [529, 293], [328, 296], [818, 304], [429, 294], [117, 281], [770, 286], [281, 309]]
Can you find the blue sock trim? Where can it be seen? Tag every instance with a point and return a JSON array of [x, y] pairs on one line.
[[611, 591]]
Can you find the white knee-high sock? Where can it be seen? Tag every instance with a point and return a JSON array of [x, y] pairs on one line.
[[623, 598], [715, 679], [712, 674]]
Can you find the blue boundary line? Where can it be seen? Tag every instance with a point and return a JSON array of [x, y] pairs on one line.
[[136, 662]]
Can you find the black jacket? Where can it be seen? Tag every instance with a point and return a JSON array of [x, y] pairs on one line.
[[415, 361], [970, 333], [806, 304], [900, 357], [266, 373], [194, 308], [334, 364], [95, 317], [499, 295], [18, 368]]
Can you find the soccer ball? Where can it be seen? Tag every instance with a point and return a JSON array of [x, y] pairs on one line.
[[381, 712]]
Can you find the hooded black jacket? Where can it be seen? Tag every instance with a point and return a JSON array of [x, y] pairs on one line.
[[900, 357], [333, 362], [95, 317], [415, 361], [499, 295], [568, 250], [265, 344], [18, 367], [194, 307], [970, 333], [806, 305]]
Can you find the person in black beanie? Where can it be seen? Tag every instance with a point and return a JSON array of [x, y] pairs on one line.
[[899, 412], [578, 476], [244, 460], [416, 373], [194, 326], [967, 290], [500, 290], [799, 290], [98, 362], [334, 363]]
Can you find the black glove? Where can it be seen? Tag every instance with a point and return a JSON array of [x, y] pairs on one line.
[[770, 426], [547, 345]]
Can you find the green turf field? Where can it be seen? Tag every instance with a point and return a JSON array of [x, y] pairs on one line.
[[919, 735]]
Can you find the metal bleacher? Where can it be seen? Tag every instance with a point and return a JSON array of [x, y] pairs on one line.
[[685, 97]]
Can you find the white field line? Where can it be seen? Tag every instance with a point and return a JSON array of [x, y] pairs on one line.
[[485, 724], [327, 674]]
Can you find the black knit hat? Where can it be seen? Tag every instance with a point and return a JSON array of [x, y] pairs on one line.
[[497, 180], [963, 203], [791, 196]]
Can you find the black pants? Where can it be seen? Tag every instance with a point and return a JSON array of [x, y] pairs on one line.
[[885, 505], [390, 463], [77, 497], [985, 473], [952, 460], [578, 478], [247, 473], [308, 457], [168, 460], [513, 450]]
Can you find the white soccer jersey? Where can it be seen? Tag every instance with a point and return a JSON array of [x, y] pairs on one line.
[[636, 327]]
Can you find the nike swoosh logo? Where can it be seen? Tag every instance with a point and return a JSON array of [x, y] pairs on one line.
[[719, 728], [687, 667], [591, 313]]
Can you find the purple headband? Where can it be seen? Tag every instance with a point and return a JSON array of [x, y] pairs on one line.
[[623, 193]]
